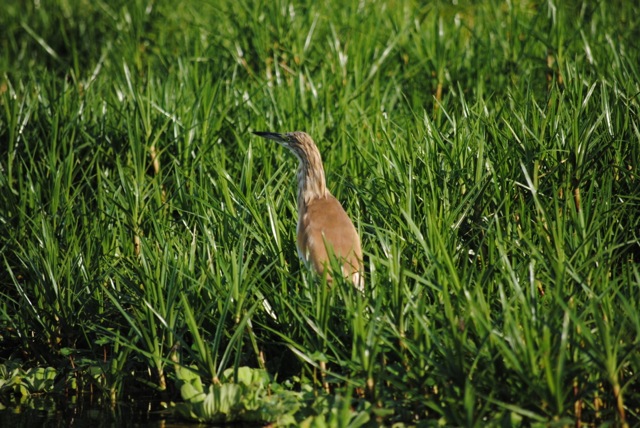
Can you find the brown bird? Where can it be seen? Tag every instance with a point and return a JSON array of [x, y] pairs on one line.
[[324, 227]]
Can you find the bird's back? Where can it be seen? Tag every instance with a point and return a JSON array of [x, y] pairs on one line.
[[324, 221]]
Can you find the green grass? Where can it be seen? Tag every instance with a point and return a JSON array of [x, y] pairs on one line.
[[488, 153]]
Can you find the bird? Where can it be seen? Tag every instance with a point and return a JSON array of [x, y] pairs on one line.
[[323, 228]]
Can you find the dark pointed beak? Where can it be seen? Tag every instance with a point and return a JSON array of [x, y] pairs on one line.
[[280, 138]]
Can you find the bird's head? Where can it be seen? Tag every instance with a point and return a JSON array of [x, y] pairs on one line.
[[289, 139], [300, 143]]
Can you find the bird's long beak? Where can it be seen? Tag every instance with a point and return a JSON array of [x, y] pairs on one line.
[[280, 138]]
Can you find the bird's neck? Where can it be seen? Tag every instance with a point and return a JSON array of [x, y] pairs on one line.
[[311, 181]]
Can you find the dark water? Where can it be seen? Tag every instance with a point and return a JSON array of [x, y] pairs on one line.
[[47, 412]]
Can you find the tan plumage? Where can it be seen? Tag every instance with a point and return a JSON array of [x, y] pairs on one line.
[[323, 225]]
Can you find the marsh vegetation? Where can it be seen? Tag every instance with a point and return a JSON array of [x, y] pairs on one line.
[[487, 153]]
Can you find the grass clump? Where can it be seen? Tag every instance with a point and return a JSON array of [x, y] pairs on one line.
[[487, 152]]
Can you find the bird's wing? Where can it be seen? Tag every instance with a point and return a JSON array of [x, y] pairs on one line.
[[326, 222]]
